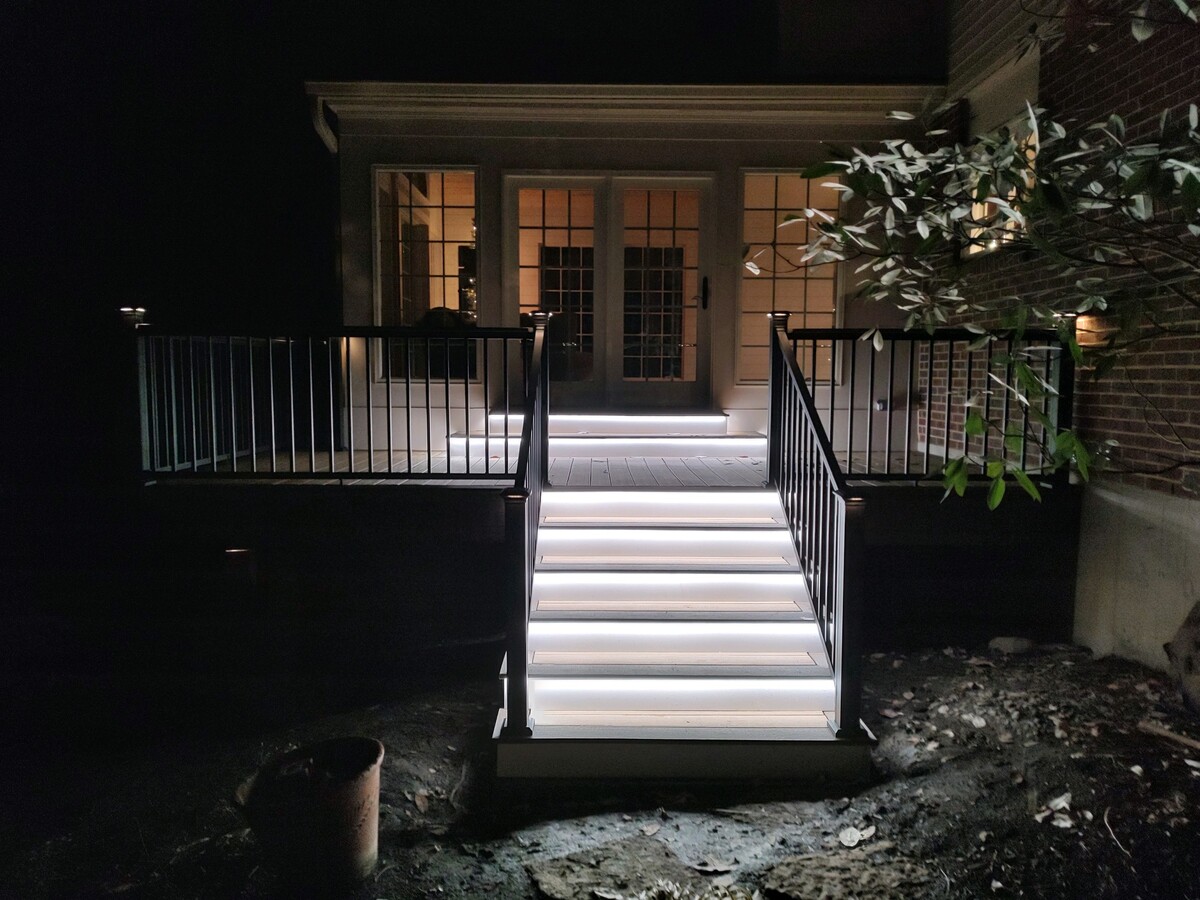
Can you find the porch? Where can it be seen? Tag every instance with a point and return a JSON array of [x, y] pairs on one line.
[[681, 600]]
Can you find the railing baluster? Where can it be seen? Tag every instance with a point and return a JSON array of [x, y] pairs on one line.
[[928, 404], [408, 441], [446, 394], [330, 369], [174, 422], [949, 392], [312, 411], [369, 390], [349, 407], [908, 390], [291, 364], [970, 384], [387, 378], [212, 400], [467, 401], [429, 418], [487, 410]]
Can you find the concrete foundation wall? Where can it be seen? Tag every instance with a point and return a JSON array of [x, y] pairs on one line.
[[1139, 570]]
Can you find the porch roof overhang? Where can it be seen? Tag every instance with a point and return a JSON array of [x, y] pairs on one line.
[[769, 106]]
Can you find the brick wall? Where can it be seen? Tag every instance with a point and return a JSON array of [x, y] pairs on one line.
[[1152, 405]]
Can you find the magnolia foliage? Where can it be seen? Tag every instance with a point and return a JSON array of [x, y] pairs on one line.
[[1110, 224]]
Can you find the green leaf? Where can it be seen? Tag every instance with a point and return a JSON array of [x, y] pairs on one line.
[[975, 425], [1189, 192], [1083, 460], [954, 476], [983, 188], [1140, 178], [995, 468], [820, 170], [995, 493], [1076, 350], [1030, 488]]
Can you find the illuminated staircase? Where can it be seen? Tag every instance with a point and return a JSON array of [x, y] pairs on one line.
[[670, 632]]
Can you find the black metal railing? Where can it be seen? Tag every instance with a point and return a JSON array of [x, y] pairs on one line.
[[899, 411], [523, 512], [381, 403], [826, 522]]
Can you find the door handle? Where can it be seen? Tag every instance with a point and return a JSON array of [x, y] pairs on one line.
[[704, 292]]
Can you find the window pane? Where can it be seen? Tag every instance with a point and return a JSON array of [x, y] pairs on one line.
[[426, 228], [783, 282]]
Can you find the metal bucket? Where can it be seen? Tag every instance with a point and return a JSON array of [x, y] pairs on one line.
[[315, 811]]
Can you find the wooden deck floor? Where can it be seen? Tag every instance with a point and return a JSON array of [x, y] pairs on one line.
[[480, 471]]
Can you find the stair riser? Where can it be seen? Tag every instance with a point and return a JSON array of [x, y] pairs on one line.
[[674, 637], [630, 507], [670, 548]]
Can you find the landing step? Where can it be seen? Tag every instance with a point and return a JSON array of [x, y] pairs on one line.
[[743, 509], [618, 423], [784, 754], [714, 549], [600, 446], [663, 446]]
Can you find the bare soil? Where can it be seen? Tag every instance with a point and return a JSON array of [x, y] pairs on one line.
[[997, 776]]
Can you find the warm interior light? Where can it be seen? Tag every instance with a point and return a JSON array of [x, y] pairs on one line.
[[1093, 331]]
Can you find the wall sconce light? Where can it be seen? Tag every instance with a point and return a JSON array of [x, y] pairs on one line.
[[1093, 331], [133, 316]]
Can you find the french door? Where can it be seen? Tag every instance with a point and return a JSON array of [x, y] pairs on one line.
[[619, 262]]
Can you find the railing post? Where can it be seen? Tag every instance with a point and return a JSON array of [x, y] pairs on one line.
[[144, 412], [779, 322], [516, 601], [1066, 401], [848, 625], [541, 337]]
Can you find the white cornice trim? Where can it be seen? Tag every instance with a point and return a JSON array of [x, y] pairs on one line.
[[666, 104]]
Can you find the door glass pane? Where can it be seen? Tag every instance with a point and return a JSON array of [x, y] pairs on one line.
[[660, 284], [557, 272]]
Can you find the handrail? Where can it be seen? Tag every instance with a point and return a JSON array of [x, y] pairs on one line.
[[826, 524], [522, 511], [900, 334], [469, 331]]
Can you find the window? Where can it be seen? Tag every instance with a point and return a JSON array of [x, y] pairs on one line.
[[426, 254], [987, 229], [773, 277]]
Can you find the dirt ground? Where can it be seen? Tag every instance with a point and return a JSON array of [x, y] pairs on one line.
[[1036, 775]]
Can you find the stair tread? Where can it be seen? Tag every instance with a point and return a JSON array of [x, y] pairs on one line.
[[740, 669], [675, 724]]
